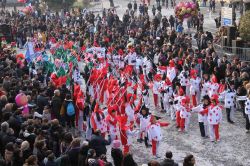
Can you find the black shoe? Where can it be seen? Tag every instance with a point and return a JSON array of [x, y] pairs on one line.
[[230, 121]]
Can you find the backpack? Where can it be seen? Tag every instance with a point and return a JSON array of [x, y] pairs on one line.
[[70, 109]]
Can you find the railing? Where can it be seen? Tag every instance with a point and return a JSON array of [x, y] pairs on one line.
[[242, 53]]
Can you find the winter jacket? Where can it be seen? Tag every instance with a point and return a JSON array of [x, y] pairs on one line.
[[99, 144], [168, 162]]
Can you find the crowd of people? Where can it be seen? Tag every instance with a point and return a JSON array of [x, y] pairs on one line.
[[121, 65]]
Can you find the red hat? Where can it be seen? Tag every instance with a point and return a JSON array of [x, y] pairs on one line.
[[120, 52], [168, 82], [181, 91], [214, 79], [163, 68], [193, 72], [157, 77], [171, 63], [215, 97], [185, 100]]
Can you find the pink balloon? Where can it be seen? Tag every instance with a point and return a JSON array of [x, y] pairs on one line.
[[21, 1], [21, 99]]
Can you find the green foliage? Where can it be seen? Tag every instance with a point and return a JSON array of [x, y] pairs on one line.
[[244, 26]]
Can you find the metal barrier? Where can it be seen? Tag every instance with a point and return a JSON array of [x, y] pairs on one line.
[[242, 53]]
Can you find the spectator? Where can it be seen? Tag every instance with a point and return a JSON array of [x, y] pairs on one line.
[[168, 161], [189, 160], [128, 160], [98, 143]]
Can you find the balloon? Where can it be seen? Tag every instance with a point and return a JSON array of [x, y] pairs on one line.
[[21, 99], [185, 10], [21, 1], [26, 11]]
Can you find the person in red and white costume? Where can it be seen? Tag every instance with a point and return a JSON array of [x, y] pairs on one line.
[[205, 85], [111, 120], [146, 67], [185, 114], [129, 111], [214, 86], [167, 93], [126, 133], [184, 79], [131, 57], [171, 71], [156, 88], [144, 120], [177, 103], [194, 87], [202, 111], [214, 118], [155, 134], [98, 121]]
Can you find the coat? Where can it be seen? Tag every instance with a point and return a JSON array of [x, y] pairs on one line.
[[168, 162], [214, 115], [56, 106], [98, 143]]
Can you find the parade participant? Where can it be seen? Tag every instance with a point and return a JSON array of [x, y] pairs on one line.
[[125, 133], [111, 120], [155, 134], [230, 101], [177, 103], [129, 111], [145, 95], [202, 111], [167, 93], [247, 113], [194, 87], [171, 70], [205, 85], [214, 118], [185, 114], [147, 67], [143, 118], [156, 87], [214, 86], [98, 120], [184, 80]]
